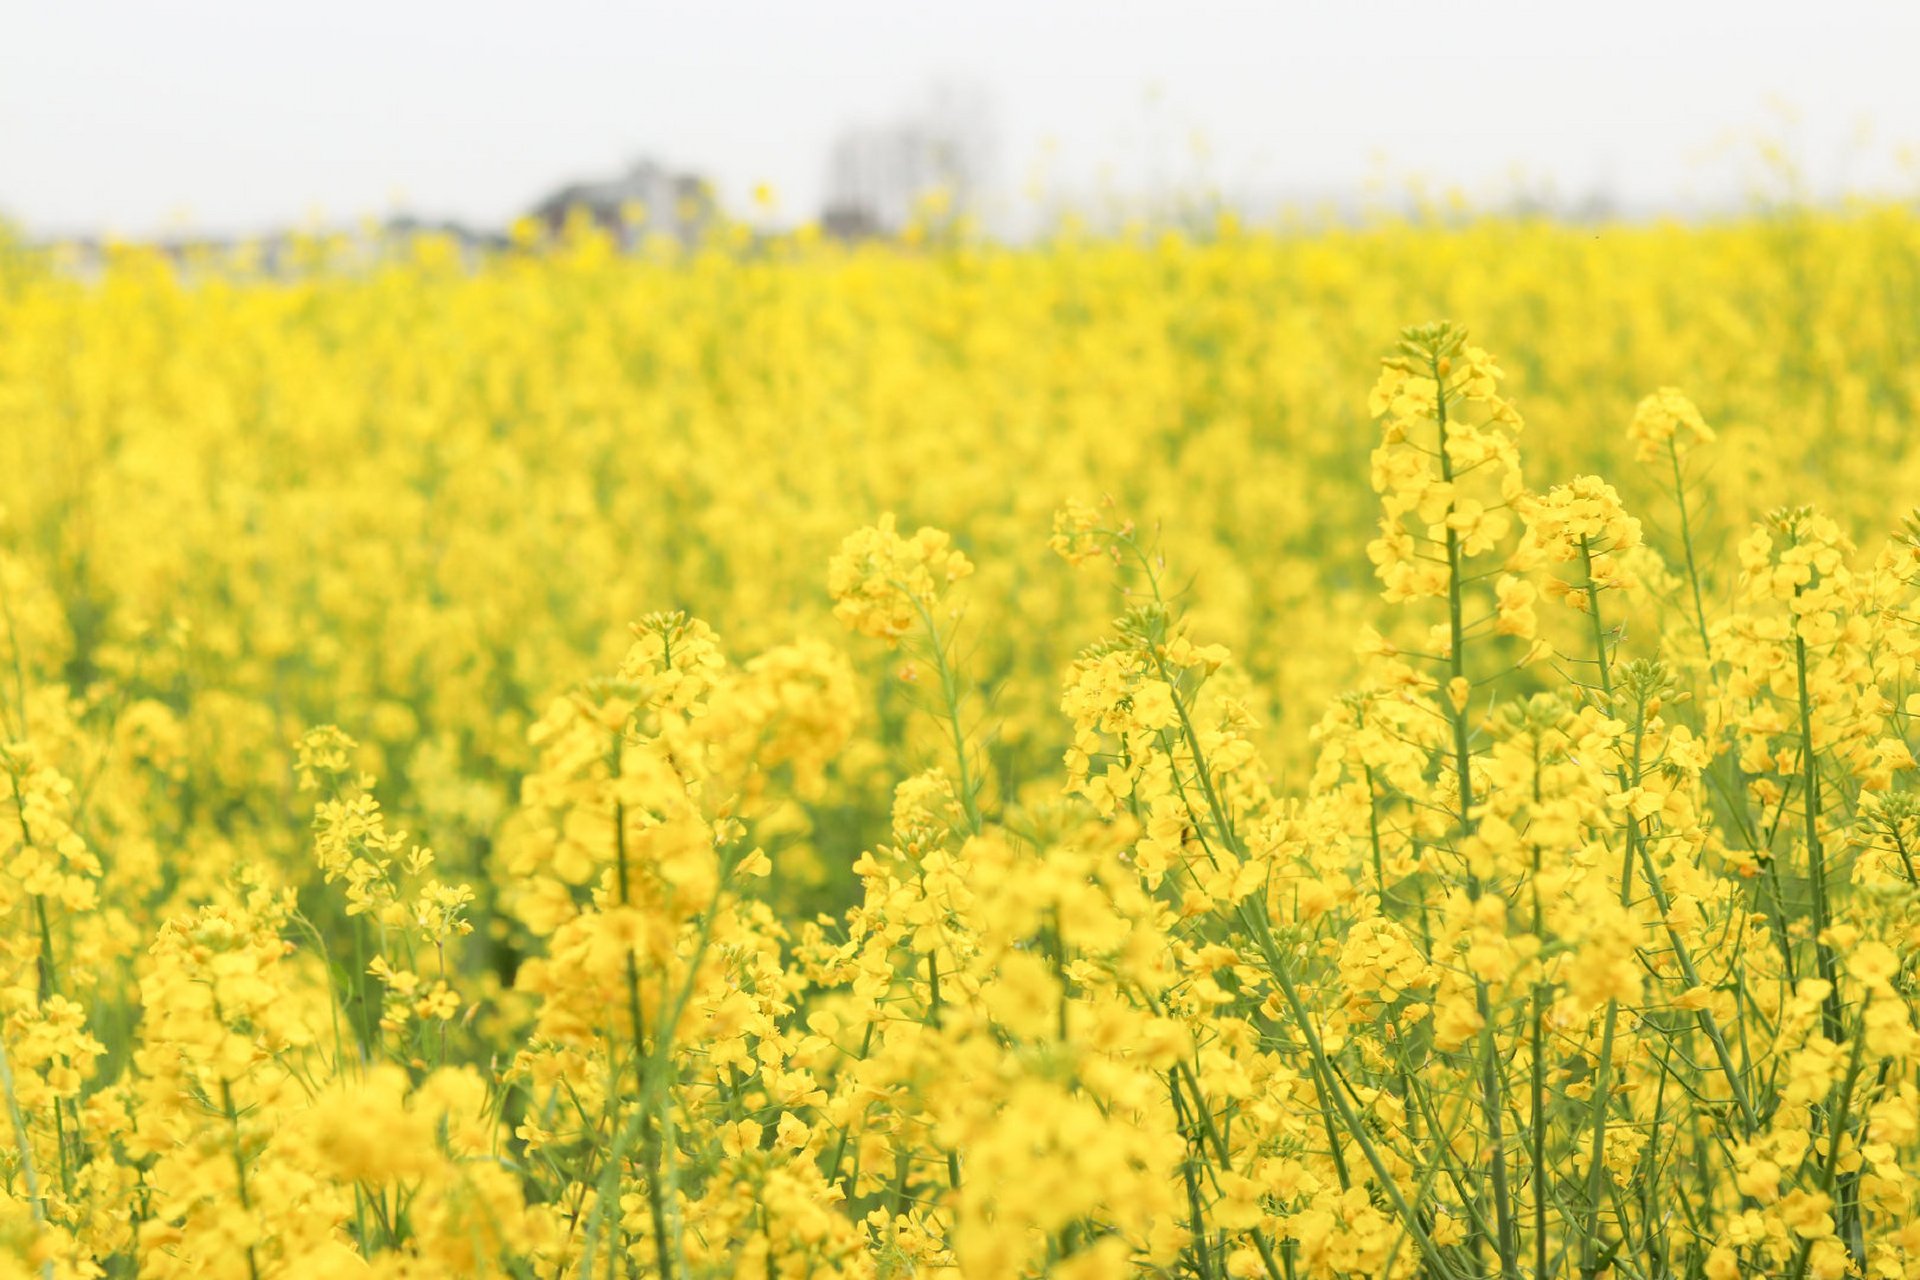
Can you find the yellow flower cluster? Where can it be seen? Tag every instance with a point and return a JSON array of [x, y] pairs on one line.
[[1299, 922], [1667, 424], [1582, 521], [881, 582]]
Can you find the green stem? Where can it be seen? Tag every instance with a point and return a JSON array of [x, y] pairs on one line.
[[1816, 856], [950, 692], [650, 1134], [1596, 1163], [1508, 1242], [1204, 1117], [239, 1159], [36, 1207], [1830, 1172], [934, 1008], [1830, 1013], [1536, 1073], [1196, 1214], [840, 1148], [1686, 542], [662, 1048]]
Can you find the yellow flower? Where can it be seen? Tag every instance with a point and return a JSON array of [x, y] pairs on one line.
[[882, 583], [1667, 420]]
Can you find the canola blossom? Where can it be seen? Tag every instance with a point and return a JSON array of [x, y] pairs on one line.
[[1091, 760]]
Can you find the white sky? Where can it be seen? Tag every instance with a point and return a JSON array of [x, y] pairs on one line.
[[229, 115]]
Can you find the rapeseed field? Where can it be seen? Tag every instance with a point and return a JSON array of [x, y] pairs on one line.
[[1132, 755]]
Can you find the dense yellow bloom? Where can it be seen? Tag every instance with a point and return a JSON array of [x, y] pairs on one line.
[[1582, 521], [1667, 423], [1335, 911], [880, 581]]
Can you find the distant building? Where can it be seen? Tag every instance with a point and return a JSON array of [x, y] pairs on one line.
[[470, 239], [851, 222], [934, 160], [647, 199]]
